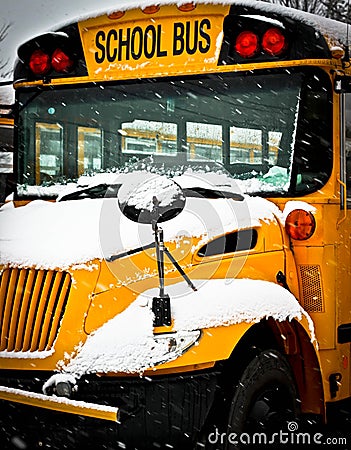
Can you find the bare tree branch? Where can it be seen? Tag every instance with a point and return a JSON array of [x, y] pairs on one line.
[[334, 9], [4, 29]]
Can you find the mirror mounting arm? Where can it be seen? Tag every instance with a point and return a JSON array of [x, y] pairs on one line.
[[160, 251], [134, 202], [161, 306]]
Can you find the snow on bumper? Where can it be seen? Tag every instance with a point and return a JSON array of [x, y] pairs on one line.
[[59, 404]]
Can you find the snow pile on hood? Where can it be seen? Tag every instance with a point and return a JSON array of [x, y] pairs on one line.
[[117, 346], [49, 235]]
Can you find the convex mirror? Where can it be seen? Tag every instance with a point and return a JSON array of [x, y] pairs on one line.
[[149, 199]]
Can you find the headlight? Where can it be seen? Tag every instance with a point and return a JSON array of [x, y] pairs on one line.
[[172, 345]]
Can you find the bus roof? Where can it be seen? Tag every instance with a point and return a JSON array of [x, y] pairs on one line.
[[333, 30], [97, 48]]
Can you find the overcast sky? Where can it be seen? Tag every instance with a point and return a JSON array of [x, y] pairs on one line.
[[31, 17]]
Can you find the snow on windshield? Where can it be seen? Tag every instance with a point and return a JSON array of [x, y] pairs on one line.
[[185, 126]]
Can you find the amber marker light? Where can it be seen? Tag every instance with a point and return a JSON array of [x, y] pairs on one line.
[[345, 362], [337, 52], [300, 224], [116, 15], [186, 7], [151, 9]]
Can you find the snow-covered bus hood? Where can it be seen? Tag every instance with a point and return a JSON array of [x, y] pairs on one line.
[[72, 234], [75, 234]]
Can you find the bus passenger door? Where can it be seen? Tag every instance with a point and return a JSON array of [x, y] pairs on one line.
[[89, 150], [48, 151]]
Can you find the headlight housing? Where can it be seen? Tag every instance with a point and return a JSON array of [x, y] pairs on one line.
[[173, 345]]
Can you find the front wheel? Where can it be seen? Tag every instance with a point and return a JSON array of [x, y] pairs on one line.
[[264, 401]]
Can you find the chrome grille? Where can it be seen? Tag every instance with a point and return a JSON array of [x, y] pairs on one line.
[[32, 304]]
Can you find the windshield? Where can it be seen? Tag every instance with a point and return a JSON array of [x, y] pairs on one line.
[[270, 131]]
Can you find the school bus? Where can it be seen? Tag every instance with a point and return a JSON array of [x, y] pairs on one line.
[[6, 150], [176, 266]]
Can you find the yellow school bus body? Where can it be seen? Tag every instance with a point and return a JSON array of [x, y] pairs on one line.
[[317, 270]]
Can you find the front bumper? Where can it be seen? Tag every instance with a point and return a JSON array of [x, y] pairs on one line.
[[168, 409], [60, 404]]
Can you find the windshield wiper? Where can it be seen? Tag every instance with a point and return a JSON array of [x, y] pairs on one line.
[[97, 191], [111, 191], [211, 193]]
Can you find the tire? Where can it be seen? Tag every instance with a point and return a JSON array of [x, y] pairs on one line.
[[265, 399]]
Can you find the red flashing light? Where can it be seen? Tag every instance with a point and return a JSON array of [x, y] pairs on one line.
[[274, 42], [246, 44], [39, 62], [300, 224], [60, 61]]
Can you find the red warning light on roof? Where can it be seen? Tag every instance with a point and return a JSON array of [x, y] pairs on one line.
[[39, 62], [274, 42], [247, 44]]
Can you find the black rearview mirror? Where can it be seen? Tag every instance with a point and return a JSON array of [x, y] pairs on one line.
[[150, 199]]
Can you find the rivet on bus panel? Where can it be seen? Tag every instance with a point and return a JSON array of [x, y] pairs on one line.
[[337, 52]]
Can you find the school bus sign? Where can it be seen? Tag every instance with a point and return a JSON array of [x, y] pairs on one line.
[[153, 45]]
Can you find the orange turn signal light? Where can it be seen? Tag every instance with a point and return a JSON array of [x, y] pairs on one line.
[[300, 224]]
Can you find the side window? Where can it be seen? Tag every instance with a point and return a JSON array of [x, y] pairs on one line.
[[230, 243], [348, 148]]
